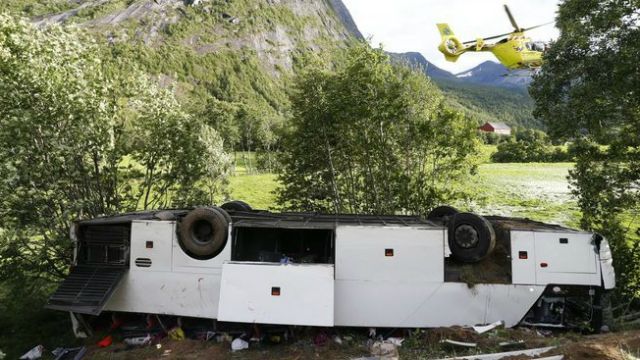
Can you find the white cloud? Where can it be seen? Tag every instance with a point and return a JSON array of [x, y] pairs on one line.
[[410, 25]]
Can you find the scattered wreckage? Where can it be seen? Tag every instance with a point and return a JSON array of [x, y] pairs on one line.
[[235, 264]]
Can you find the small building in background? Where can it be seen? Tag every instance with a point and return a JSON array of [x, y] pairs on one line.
[[496, 127]]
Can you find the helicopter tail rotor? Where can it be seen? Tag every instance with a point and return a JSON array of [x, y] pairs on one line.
[[450, 46]]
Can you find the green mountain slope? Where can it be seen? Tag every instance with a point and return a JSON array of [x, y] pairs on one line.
[[483, 102], [489, 103], [236, 51], [239, 51]]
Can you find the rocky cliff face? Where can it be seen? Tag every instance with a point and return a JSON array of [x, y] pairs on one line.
[[345, 17], [241, 51], [274, 29]]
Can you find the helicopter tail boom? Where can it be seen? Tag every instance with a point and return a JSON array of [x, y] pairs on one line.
[[450, 46]]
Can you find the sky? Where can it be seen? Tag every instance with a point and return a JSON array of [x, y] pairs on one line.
[[410, 25]]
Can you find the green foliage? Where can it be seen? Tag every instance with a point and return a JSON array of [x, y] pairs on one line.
[[36, 7], [490, 138], [528, 145], [371, 137], [604, 181], [588, 89], [521, 151], [81, 138], [589, 84]]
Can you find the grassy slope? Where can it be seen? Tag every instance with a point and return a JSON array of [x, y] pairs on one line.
[[488, 103], [538, 191]]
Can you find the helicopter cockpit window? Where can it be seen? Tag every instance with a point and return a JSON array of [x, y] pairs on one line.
[[536, 46]]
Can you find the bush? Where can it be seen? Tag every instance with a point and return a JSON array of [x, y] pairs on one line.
[[521, 151], [490, 138], [530, 149]]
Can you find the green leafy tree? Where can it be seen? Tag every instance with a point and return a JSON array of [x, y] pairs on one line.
[[529, 145], [588, 90], [371, 137], [85, 135]]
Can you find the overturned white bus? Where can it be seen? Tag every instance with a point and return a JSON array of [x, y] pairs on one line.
[[235, 264]]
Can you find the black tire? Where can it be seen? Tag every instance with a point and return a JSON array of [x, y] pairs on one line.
[[471, 237], [223, 212], [441, 212], [203, 232], [236, 205]]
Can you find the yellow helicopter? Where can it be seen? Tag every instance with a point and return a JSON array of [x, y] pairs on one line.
[[516, 51]]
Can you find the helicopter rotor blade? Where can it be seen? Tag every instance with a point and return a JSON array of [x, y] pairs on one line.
[[489, 38], [513, 21], [505, 34], [537, 26]]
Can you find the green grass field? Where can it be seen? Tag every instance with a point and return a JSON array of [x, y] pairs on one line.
[[539, 191]]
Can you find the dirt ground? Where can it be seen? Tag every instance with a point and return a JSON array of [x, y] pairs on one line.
[[614, 346], [418, 344]]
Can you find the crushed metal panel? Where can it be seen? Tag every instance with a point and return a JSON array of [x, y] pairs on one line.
[[277, 294], [86, 289], [411, 304], [167, 293]]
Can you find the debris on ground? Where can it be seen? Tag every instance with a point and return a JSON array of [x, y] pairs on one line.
[[33, 354], [544, 332], [461, 344], [519, 344], [138, 341], [224, 337], [518, 354], [455, 333], [385, 350], [176, 334], [76, 353], [395, 341], [2, 355], [239, 344], [106, 341], [485, 328]]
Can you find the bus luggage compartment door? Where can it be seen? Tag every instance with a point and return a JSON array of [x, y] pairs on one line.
[[271, 293]]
